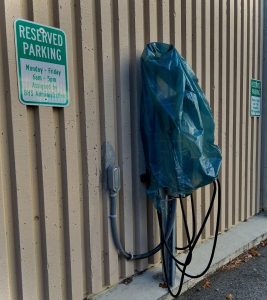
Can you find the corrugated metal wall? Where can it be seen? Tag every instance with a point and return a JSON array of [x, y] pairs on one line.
[[54, 233]]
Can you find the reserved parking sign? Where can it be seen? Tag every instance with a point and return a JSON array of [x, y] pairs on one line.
[[41, 64]]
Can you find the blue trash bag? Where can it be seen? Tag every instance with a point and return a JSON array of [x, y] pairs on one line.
[[177, 126]]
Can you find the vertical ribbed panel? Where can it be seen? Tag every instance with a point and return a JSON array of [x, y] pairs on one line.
[[214, 81], [137, 10], [222, 106], [55, 240], [243, 115], [197, 63], [108, 115], [261, 141], [236, 110], [229, 111], [152, 33], [249, 121], [89, 135], [254, 120], [206, 76]]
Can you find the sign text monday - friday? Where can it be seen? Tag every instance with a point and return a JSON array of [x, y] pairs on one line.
[[40, 70]]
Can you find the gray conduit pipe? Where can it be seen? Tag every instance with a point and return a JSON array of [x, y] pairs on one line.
[[114, 230]]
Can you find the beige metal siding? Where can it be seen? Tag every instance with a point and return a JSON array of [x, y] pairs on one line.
[[55, 241]]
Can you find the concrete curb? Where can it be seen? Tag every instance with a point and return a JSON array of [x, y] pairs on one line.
[[230, 244]]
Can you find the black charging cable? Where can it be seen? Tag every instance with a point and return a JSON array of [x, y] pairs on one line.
[[193, 223], [114, 186], [191, 244], [168, 230], [215, 238]]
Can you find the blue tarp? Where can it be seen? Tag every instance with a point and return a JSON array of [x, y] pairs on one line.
[[176, 124]]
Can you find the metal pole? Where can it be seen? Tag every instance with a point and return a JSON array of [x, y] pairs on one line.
[[167, 208]]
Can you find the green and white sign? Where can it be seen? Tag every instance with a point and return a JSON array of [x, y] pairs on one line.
[[41, 64], [255, 98]]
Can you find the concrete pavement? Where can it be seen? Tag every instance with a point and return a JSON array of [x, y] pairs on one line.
[[245, 282], [230, 245]]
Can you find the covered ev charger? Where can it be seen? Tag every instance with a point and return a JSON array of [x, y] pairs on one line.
[[177, 130]]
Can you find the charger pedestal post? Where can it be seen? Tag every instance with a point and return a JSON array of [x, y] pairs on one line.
[[167, 209]]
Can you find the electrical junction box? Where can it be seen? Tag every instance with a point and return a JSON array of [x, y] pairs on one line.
[[114, 179]]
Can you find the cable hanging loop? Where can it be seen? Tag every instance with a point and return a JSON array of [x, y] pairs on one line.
[[191, 243]]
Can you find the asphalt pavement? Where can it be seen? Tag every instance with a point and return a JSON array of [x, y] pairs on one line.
[[244, 279]]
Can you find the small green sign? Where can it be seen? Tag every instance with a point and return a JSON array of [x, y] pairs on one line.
[[255, 98], [41, 64]]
